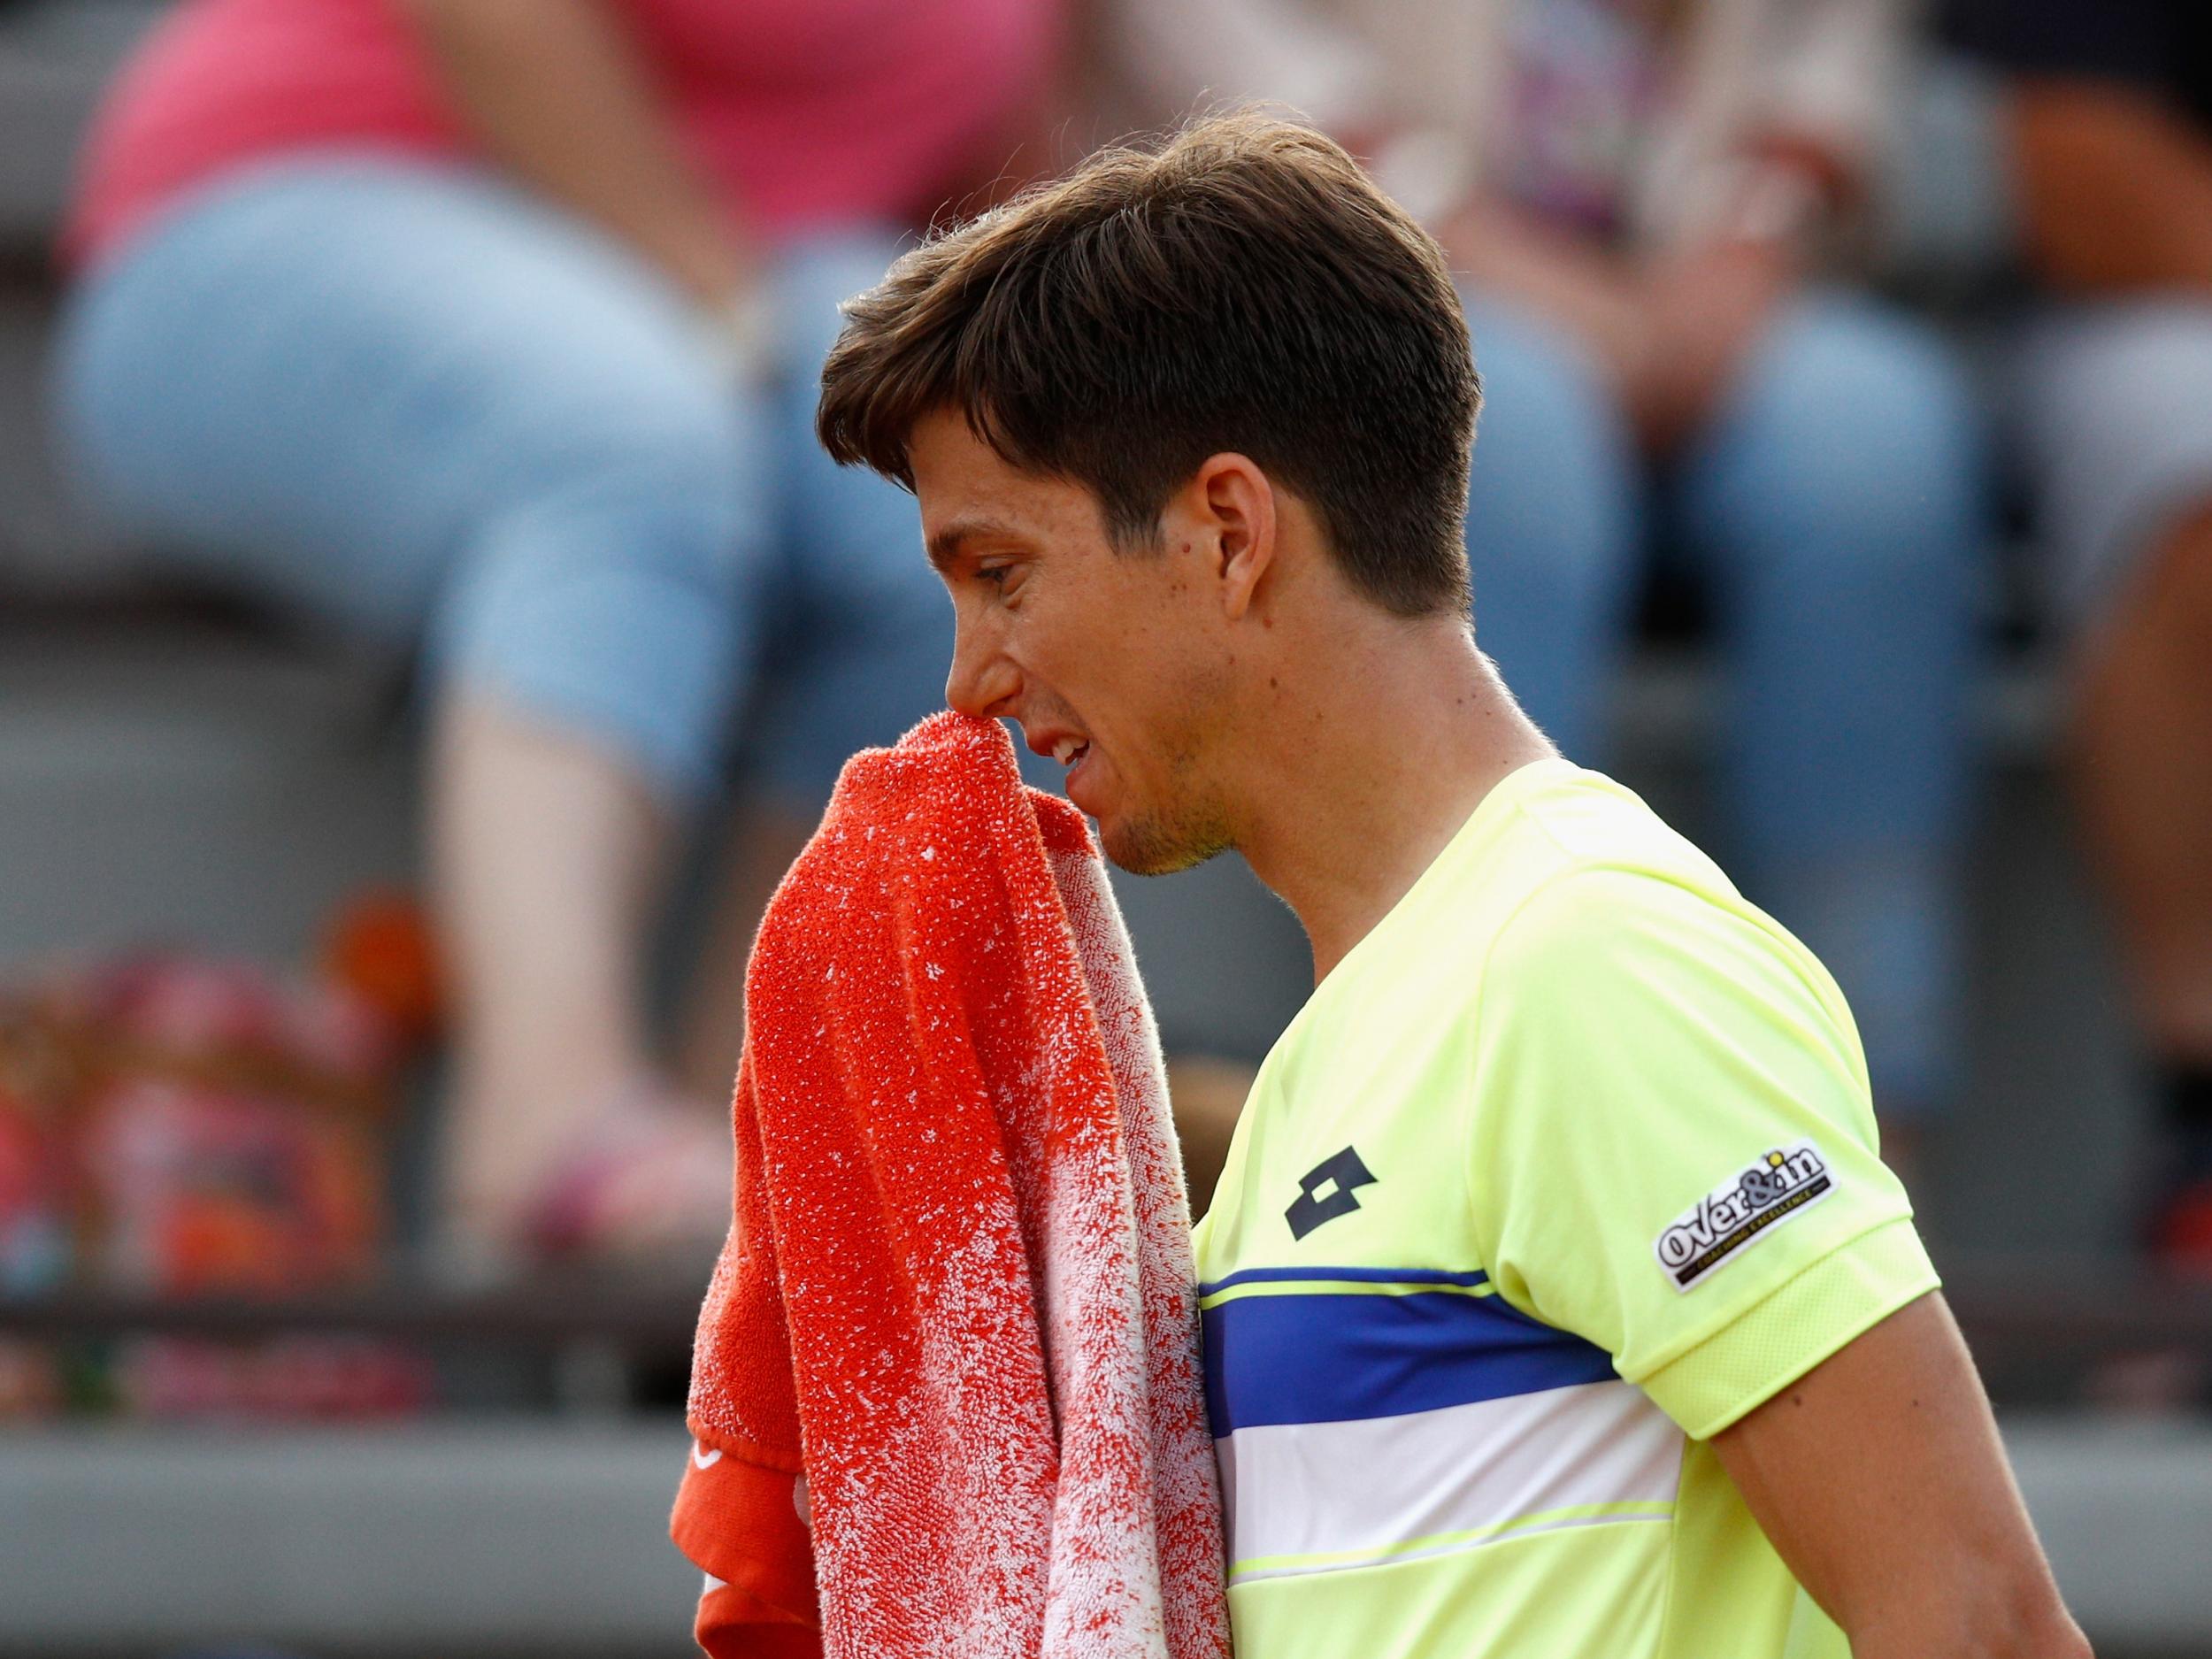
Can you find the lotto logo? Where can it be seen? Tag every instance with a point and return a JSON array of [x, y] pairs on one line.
[[1327, 1192]]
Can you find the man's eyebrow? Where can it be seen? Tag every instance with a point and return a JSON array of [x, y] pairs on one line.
[[944, 546]]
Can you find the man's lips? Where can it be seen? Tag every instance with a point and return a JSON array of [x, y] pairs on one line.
[[1065, 746], [1079, 774], [1071, 750]]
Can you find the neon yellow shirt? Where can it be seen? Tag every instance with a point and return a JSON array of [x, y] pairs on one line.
[[1566, 1167]]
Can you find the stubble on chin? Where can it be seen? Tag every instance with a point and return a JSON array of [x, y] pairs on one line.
[[1191, 826], [1155, 846], [1152, 842]]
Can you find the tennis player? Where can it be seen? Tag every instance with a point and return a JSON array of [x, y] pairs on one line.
[[1557, 1304]]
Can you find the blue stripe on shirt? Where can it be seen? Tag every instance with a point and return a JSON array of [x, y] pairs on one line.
[[1338, 1358]]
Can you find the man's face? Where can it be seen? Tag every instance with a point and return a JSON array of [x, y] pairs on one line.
[[1111, 661]]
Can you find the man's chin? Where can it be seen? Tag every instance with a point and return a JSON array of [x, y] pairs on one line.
[[1144, 847]]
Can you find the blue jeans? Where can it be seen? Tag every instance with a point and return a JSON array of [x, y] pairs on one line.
[[408, 401], [1834, 506]]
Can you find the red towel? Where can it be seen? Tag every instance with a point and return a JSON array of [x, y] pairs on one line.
[[945, 1396]]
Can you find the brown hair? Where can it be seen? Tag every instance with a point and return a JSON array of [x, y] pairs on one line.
[[1242, 287]]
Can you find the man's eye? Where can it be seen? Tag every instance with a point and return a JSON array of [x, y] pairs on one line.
[[994, 574]]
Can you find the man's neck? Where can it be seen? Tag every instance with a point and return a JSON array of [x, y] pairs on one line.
[[1360, 778]]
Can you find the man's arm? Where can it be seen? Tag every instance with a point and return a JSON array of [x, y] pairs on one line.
[[560, 94], [2116, 189], [1880, 1478]]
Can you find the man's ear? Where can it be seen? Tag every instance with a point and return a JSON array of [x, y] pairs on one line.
[[1235, 502]]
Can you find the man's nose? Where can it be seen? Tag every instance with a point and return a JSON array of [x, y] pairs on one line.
[[982, 681]]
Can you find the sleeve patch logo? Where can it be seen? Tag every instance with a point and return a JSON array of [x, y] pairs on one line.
[[1741, 1210]]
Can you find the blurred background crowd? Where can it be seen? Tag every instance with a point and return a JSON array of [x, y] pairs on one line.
[[427, 629]]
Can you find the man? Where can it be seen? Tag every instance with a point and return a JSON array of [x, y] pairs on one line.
[[1557, 1303], [1657, 216], [2107, 123]]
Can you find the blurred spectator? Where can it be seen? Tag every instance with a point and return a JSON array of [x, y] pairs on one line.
[[1653, 204], [2109, 390], [490, 325]]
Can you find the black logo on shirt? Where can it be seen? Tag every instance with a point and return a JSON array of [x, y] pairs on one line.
[[1339, 1174]]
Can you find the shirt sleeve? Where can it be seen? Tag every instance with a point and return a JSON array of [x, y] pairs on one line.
[[1673, 1148], [743, 1523]]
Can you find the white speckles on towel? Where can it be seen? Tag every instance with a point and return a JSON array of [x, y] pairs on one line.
[[959, 1291]]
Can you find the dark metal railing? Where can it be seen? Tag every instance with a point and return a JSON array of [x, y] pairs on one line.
[[2040, 1330]]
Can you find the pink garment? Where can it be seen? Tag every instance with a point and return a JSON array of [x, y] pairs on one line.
[[804, 111]]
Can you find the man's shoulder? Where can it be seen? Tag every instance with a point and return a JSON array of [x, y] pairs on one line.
[[1584, 867], [1570, 818], [1571, 883], [1596, 927], [1661, 959], [1562, 861]]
